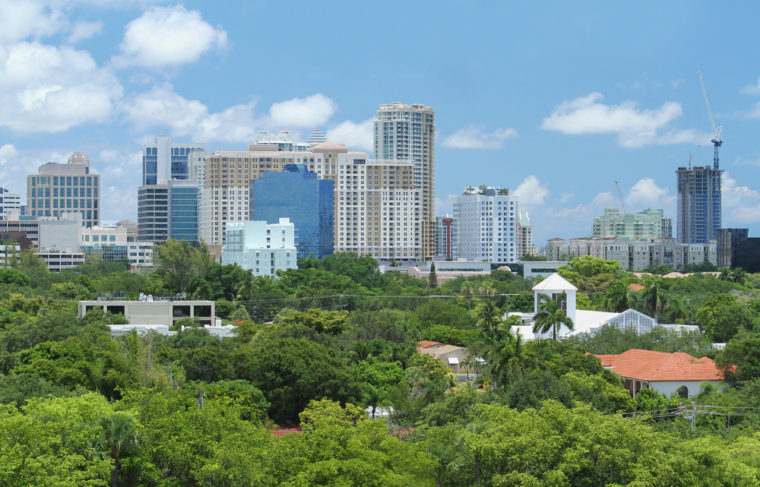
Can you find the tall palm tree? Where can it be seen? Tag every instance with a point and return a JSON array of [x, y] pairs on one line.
[[551, 316], [468, 291], [504, 353], [118, 438], [618, 297], [654, 300], [487, 288], [489, 316]]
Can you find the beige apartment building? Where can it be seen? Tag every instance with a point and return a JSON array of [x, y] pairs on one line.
[[407, 133], [377, 208], [377, 205]]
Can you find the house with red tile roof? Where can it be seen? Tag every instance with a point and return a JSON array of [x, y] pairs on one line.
[[427, 344], [667, 373], [451, 355]]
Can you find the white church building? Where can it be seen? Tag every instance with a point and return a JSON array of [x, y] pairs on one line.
[[584, 321]]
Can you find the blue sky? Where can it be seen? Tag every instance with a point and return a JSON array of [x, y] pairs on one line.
[[555, 100]]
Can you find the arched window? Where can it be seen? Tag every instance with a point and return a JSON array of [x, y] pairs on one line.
[[682, 392]]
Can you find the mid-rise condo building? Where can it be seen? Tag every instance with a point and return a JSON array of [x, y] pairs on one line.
[[486, 219]]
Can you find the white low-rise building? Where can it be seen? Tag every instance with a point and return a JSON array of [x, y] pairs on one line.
[[116, 244], [148, 311], [260, 247]]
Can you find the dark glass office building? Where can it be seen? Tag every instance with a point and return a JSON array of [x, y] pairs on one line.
[[183, 211], [297, 194], [167, 211]]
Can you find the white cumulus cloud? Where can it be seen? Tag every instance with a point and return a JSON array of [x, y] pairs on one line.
[[752, 89], [635, 127], [354, 135], [50, 89], [309, 112], [646, 194], [168, 36], [603, 199], [7, 153], [28, 18], [741, 204], [84, 30], [161, 106], [476, 138], [531, 193]]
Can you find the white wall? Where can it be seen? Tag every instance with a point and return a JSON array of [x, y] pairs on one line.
[[670, 387]]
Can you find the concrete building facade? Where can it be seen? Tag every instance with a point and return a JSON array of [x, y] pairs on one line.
[[116, 244], [261, 247], [486, 225], [376, 205], [645, 225], [164, 160], [407, 133], [148, 311], [445, 237], [635, 256], [65, 188], [9, 203], [525, 245]]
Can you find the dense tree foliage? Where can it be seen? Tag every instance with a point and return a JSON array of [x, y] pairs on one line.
[[331, 347]]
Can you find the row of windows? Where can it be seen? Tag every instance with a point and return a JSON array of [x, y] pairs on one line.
[[69, 192], [68, 203], [65, 180]]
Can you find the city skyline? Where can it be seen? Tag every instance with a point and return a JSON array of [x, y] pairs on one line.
[[555, 107]]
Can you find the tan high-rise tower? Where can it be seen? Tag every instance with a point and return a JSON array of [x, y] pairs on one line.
[[406, 133]]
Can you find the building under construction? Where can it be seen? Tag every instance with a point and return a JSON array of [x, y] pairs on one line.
[[699, 204]]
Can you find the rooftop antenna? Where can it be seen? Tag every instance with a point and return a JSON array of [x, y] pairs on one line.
[[716, 140], [689, 162]]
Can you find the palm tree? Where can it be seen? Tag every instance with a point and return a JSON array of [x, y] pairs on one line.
[[618, 297], [490, 316], [487, 288], [678, 309], [654, 301], [505, 352], [467, 363], [551, 316], [738, 275], [468, 291], [119, 438], [725, 274]]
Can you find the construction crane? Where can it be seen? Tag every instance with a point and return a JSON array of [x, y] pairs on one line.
[[620, 194], [716, 140]]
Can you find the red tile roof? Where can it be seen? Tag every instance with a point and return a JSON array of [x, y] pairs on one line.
[[636, 287], [428, 343], [660, 366]]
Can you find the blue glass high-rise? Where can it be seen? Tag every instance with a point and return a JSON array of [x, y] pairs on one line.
[[183, 211], [297, 194]]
